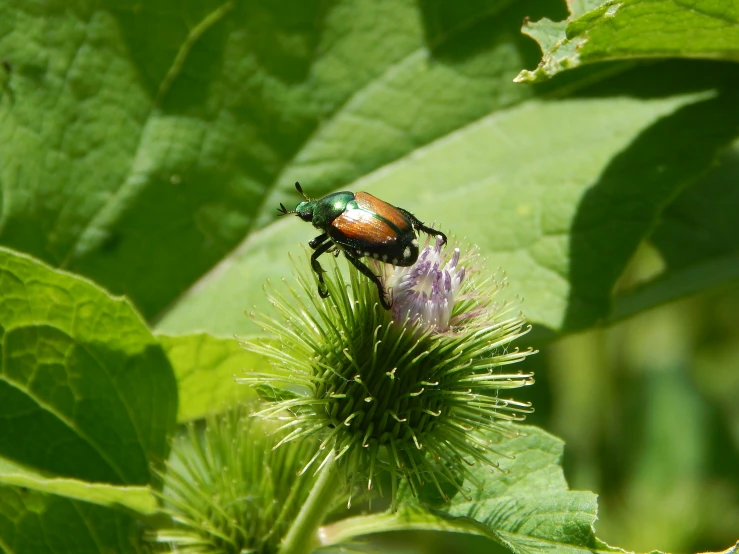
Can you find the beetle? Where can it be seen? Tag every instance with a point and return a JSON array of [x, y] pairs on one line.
[[361, 226]]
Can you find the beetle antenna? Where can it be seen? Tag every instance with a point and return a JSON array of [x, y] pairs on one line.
[[300, 190], [284, 211]]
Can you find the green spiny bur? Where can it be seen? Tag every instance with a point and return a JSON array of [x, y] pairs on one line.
[[388, 394]]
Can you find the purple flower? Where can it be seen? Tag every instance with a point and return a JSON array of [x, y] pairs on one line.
[[425, 293]]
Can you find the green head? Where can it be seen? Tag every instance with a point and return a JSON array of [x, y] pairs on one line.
[[304, 210], [322, 211]]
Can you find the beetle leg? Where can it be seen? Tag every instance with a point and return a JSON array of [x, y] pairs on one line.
[[335, 251], [320, 249], [419, 226], [318, 240], [372, 277]]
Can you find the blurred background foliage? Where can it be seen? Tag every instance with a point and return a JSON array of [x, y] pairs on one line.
[[648, 410], [145, 145]]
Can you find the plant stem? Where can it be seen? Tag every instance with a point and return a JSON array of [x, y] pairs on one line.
[[302, 537]]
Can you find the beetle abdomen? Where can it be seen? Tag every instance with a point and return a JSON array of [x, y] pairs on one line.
[[360, 225], [386, 211], [366, 233]]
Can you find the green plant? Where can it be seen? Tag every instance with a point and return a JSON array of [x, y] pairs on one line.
[[144, 149]]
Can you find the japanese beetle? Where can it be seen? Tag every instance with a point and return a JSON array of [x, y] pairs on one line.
[[361, 226]]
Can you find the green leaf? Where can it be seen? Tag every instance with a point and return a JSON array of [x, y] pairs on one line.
[[193, 136], [528, 507], [36, 523], [696, 238], [525, 507], [205, 367], [138, 499], [85, 390], [701, 224], [144, 141], [629, 29], [563, 222]]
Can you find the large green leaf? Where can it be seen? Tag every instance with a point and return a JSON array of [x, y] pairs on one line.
[[626, 29], [142, 141], [206, 368], [85, 389], [526, 506], [170, 133], [36, 523], [562, 212]]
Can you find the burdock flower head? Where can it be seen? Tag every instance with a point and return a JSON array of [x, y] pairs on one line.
[[413, 391], [226, 489]]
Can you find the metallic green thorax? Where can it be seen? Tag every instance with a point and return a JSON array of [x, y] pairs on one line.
[[324, 210]]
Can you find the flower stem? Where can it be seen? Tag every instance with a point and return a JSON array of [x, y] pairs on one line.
[[302, 537]]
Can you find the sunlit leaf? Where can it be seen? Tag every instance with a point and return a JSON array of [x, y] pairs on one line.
[[562, 213], [628, 29], [85, 390], [206, 368], [143, 141]]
